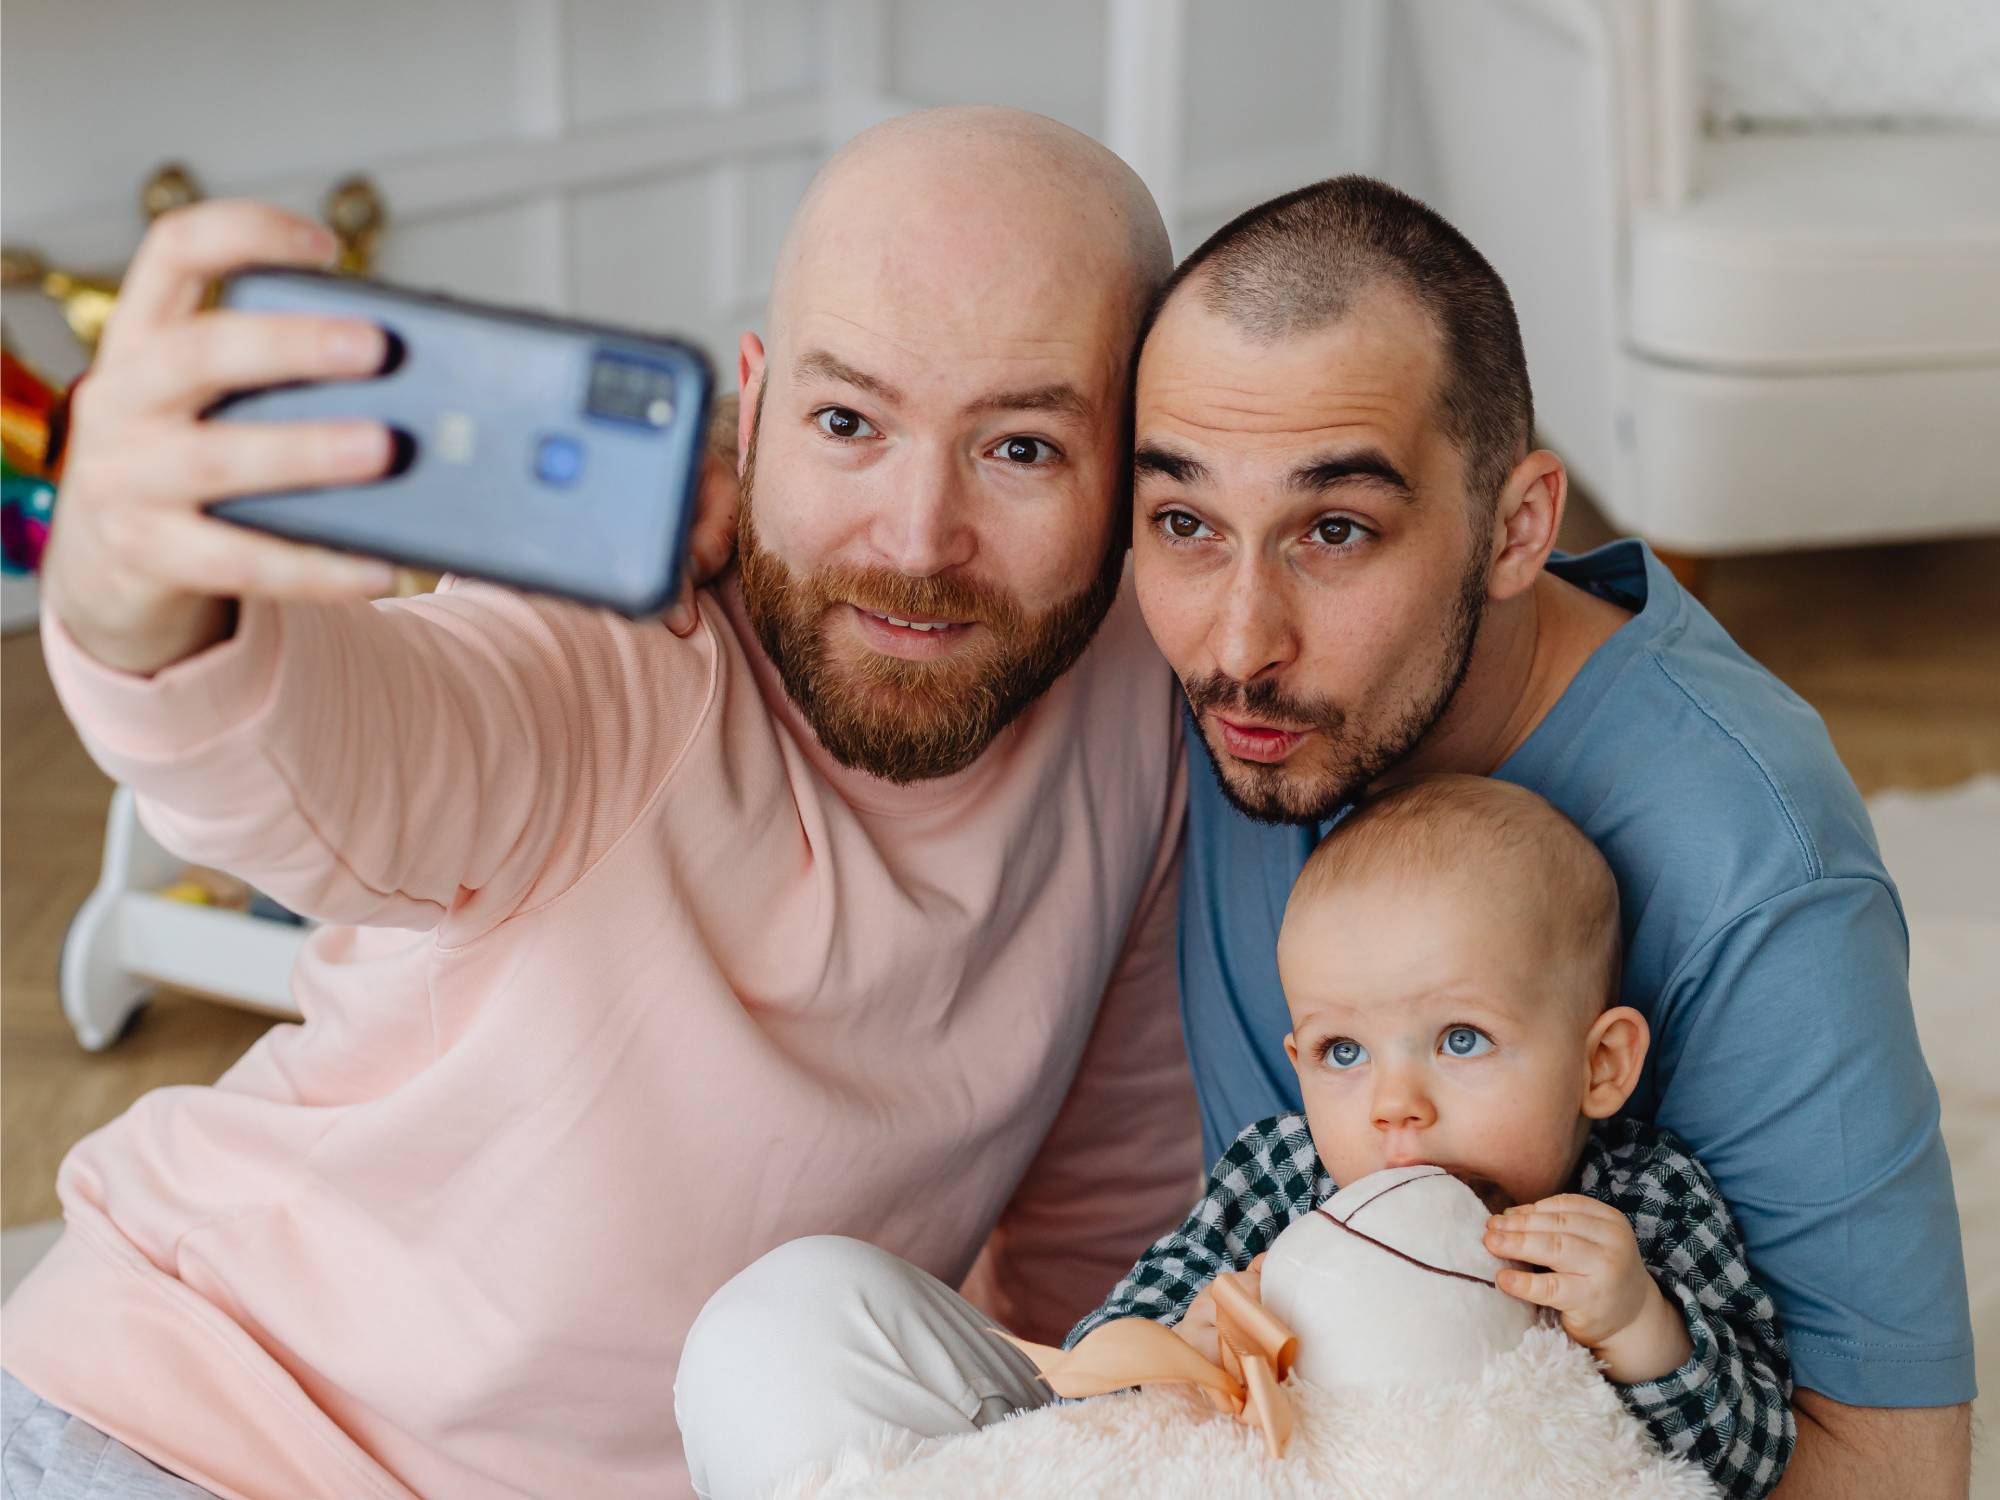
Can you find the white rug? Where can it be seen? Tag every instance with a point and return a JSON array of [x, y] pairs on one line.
[[1540, 1424], [1940, 847]]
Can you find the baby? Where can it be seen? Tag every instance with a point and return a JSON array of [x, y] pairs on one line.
[[1451, 959]]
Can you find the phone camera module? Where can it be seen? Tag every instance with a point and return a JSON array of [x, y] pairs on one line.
[[627, 389]]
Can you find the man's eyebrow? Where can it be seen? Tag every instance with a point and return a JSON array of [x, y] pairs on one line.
[[1060, 398], [1337, 468], [1169, 463], [819, 363]]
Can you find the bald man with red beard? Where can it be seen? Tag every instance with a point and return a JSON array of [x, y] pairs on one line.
[[848, 911]]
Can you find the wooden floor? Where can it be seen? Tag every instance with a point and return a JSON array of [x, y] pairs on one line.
[[1898, 647]]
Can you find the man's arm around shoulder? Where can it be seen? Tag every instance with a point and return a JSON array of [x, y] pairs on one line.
[[1870, 1452]]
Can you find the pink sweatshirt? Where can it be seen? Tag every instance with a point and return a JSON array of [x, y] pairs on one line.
[[628, 983]]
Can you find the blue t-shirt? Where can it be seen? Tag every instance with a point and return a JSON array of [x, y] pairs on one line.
[[1765, 945]]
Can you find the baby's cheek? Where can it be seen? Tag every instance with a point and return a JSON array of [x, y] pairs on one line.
[[1544, 1171], [1334, 1136]]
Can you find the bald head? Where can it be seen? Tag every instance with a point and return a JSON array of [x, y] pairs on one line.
[[949, 198]]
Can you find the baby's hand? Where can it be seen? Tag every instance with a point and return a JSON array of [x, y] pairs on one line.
[[1595, 1279], [1197, 1325]]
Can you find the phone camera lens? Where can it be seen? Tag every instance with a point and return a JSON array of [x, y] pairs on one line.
[[558, 460]]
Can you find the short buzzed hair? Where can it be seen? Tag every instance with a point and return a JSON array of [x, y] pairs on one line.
[[1441, 823], [1300, 262]]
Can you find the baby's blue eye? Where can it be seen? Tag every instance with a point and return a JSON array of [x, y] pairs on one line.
[[1467, 1041], [1345, 1054]]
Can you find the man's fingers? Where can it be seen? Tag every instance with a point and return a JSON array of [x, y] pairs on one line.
[[191, 364], [712, 539], [722, 419], [190, 247], [680, 615], [223, 460], [234, 562]]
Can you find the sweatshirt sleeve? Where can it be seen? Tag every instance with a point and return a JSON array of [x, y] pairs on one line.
[[439, 762]]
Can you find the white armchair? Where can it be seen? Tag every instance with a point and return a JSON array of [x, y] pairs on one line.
[[1741, 341]]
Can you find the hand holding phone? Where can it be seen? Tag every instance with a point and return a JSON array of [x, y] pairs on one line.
[[542, 452], [547, 454], [136, 569]]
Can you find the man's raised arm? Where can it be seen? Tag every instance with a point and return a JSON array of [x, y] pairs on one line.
[[364, 763]]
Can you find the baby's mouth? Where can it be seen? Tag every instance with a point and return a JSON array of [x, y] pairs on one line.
[[1490, 1192]]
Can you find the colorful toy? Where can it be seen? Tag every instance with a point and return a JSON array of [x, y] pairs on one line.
[[33, 423]]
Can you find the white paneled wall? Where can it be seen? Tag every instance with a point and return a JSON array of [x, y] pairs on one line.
[[637, 160], [631, 159]]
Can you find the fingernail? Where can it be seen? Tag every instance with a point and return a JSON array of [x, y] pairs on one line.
[[680, 619], [357, 344], [318, 242], [365, 444], [376, 580]]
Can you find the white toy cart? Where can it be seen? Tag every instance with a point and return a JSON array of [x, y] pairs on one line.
[[126, 938]]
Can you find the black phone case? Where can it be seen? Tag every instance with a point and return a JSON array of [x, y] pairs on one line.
[[540, 452]]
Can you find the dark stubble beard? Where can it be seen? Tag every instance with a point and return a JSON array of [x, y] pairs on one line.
[[908, 721], [1349, 757]]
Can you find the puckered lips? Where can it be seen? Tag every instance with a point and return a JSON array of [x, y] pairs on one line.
[[1249, 738], [913, 638]]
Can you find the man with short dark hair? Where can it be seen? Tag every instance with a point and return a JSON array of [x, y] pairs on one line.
[[1342, 540], [1342, 543]]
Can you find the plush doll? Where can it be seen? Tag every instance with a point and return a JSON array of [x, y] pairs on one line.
[[1382, 1362], [1389, 1282]]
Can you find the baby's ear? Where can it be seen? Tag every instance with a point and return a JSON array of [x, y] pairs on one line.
[[1613, 1050], [1292, 1047]]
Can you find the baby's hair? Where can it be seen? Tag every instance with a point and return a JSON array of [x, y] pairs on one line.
[[1441, 824]]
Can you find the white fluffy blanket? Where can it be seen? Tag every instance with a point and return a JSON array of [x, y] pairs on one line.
[[1541, 1424]]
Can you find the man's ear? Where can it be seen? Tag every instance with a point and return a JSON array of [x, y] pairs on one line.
[[1526, 518], [750, 376], [1613, 1050]]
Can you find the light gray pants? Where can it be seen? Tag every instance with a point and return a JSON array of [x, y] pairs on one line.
[[47, 1454], [826, 1341]]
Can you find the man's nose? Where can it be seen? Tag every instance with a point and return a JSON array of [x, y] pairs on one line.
[[926, 528], [1252, 633]]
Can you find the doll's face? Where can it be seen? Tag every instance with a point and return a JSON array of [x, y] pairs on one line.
[[1438, 1019]]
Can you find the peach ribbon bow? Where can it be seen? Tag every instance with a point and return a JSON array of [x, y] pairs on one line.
[[1257, 1353]]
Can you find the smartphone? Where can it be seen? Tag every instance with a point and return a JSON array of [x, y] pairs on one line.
[[548, 454]]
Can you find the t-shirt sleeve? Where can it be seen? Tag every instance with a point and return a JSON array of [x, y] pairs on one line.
[[1797, 1080]]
